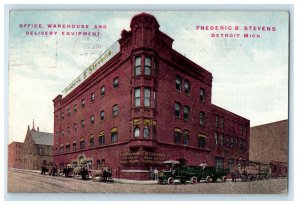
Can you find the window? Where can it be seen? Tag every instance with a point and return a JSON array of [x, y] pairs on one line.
[[137, 66], [202, 115], [115, 110], [101, 139], [116, 82], [114, 135], [202, 95], [217, 121], [102, 92], [62, 116], [137, 97], [75, 108], [187, 87], [56, 133], [62, 133], [216, 138], [82, 143], [92, 119], [93, 97], [177, 110], [230, 164], [186, 111], [147, 65], [186, 137], [98, 164], [67, 147], [236, 142], [219, 163], [89, 165], [232, 142], [146, 132], [201, 141], [82, 103], [92, 141], [68, 112], [222, 122], [177, 136], [227, 141], [222, 139], [74, 146], [178, 83], [68, 130], [136, 132], [241, 143], [102, 115], [61, 149], [74, 127], [147, 97], [56, 149], [82, 123]]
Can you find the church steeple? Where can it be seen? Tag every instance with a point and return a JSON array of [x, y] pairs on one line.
[[33, 129]]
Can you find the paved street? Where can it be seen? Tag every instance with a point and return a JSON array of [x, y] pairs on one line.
[[30, 181]]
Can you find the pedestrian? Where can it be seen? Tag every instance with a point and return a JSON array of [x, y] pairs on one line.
[[151, 172], [155, 173]]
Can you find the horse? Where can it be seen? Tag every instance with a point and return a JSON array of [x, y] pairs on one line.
[[44, 169], [104, 174], [81, 170], [107, 173]]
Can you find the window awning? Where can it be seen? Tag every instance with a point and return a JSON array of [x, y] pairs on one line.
[[201, 135], [147, 122], [68, 143], [74, 141], [136, 121], [101, 134], [92, 136], [115, 129], [82, 139], [185, 132], [178, 130], [61, 145]]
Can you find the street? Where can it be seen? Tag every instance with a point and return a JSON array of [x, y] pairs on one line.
[[26, 181]]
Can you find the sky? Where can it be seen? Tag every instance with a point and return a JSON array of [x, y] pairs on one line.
[[250, 75]]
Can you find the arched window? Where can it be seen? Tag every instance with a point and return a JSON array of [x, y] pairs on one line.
[[92, 141], [82, 143], [74, 145], [177, 135]]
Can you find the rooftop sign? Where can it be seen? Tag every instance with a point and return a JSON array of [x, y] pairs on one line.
[[106, 56]]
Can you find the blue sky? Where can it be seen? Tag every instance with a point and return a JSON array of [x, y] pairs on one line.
[[250, 76]]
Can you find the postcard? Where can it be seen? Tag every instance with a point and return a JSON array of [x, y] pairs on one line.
[[148, 101]]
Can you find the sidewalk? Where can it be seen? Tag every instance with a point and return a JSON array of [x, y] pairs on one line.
[[128, 181]]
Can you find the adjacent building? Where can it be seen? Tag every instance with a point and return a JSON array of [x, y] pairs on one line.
[[141, 103], [269, 145], [36, 150]]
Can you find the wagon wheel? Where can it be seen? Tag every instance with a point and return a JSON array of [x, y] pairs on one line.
[[194, 180], [171, 180], [224, 179], [208, 179]]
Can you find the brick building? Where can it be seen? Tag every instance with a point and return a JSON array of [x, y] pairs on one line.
[[269, 144], [141, 103], [36, 149]]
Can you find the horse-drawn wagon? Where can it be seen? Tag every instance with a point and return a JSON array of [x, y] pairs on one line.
[[251, 171]]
